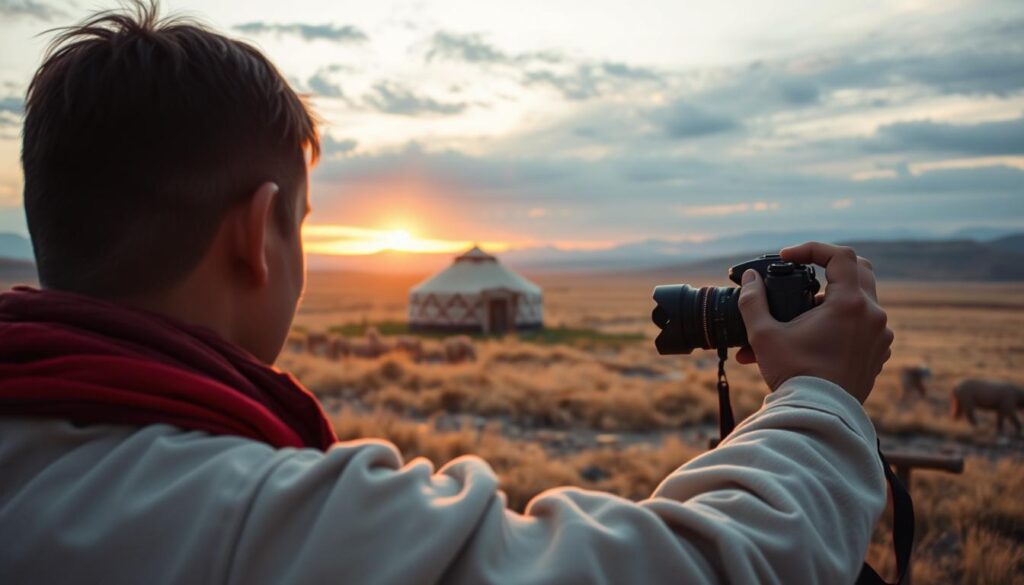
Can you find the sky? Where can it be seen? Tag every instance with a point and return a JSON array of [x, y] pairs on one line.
[[589, 124]]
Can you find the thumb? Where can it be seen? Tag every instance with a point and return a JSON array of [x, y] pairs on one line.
[[753, 305]]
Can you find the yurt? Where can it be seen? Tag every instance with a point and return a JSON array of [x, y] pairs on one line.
[[475, 294]]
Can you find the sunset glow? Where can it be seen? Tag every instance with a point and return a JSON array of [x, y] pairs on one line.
[[446, 124], [344, 240]]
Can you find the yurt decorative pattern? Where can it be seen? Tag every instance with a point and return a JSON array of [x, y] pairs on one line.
[[476, 293]]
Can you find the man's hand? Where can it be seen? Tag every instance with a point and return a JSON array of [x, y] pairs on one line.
[[844, 339]]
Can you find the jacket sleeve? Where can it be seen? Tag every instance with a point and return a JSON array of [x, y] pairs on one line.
[[790, 496]]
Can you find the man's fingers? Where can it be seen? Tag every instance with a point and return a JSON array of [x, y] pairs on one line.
[[754, 306], [867, 277], [840, 262]]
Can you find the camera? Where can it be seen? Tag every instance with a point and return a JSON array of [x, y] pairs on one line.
[[709, 317]]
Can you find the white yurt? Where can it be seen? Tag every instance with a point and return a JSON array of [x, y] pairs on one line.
[[475, 294]]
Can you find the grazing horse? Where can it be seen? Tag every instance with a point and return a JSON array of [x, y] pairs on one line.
[[1001, 396], [912, 379]]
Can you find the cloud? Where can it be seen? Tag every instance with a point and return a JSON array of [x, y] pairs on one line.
[[472, 48], [11, 109], [714, 194], [685, 120], [332, 148], [984, 139], [308, 32], [799, 92], [12, 105], [955, 69], [581, 84], [623, 71], [575, 79], [589, 80], [469, 48], [30, 9], [322, 86], [842, 203], [393, 98], [727, 208]]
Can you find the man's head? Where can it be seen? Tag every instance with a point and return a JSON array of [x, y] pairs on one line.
[[166, 165]]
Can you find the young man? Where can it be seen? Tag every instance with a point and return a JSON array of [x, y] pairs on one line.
[[145, 439]]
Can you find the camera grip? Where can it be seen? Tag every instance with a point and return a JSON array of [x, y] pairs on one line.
[[788, 296]]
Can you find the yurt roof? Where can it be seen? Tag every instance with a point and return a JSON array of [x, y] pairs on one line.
[[472, 273]]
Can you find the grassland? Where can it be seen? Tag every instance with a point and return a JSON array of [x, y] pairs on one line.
[[595, 406]]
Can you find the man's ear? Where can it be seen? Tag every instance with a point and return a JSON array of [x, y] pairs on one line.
[[255, 219]]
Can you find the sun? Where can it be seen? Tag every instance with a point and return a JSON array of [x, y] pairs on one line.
[[399, 240]]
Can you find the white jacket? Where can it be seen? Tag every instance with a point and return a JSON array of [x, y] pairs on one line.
[[790, 497]]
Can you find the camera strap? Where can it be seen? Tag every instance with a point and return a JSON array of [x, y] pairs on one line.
[[902, 505], [726, 423]]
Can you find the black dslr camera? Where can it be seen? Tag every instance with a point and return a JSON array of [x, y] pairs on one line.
[[709, 317]]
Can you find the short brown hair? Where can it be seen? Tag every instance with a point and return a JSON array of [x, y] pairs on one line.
[[140, 133]]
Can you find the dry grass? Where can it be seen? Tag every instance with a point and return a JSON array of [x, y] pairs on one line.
[[525, 468], [529, 385], [969, 527], [523, 406]]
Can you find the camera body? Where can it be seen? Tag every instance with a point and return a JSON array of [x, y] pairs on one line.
[[709, 317]]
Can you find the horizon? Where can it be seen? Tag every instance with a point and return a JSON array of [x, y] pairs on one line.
[[449, 124]]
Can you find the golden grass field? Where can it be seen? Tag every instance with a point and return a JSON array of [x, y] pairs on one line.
[[604, 411]]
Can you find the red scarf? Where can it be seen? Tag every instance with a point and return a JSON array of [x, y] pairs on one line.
[[64, 355]]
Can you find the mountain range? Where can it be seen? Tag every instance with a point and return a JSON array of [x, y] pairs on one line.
[[987, 254], [998, 260]]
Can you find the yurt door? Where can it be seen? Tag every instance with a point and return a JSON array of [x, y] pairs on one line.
[[497, 316]]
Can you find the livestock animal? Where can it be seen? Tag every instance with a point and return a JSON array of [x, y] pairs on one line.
[[371, 346], [1005, 398], [339, 347], [459, 349], [410, 345], [912, 379], [296, 342], [318, 344]]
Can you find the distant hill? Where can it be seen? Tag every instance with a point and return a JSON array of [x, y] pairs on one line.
[[910, 258], [936, 260], [17, 272], [1011, 243], [16, 247]]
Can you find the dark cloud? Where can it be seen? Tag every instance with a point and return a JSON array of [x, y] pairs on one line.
[[332, 148], [479, 173], [967, 72], [469, 48], [631, 194], [963, 71], [472, 48], [686, 120], [11, 109], [321, 85], [799, 92], [12, 105], [308, 32], [623, 71], [573, 78], [30, 9], [984, 139], [589, 80], [580, 84], [393, 98]]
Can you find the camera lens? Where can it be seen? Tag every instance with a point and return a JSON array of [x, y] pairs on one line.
[[691, 318]]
